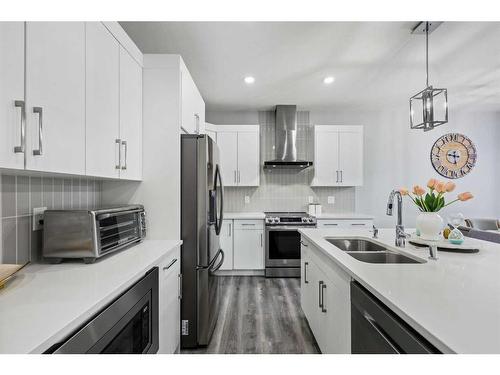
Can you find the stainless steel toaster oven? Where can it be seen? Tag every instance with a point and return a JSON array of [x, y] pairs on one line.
[[90, 234]]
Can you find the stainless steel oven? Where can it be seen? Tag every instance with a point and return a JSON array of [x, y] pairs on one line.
[[283, 242], [129, 325]]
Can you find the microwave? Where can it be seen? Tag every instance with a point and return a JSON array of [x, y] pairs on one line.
[[91, 234], [129, 325]]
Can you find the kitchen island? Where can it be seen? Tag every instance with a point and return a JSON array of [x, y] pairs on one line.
[[452, 302]]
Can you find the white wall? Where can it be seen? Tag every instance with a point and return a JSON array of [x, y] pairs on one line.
[[160, 189], [397, 156]]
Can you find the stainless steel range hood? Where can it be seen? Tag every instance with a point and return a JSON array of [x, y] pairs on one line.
[[286, 140]]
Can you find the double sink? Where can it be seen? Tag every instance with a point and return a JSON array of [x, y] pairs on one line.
[[370, 252]]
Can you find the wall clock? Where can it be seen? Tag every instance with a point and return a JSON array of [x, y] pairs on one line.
[[453, 155]]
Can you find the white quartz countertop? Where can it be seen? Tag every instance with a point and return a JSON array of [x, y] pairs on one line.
[[245, 215], [454, 302], [344, 216], [42, 304]]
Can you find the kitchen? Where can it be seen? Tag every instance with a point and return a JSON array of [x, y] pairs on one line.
[[195, 187]]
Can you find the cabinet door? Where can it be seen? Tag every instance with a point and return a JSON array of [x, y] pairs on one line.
[[12, 123], [248, 159], [351, 158], [248, 251], [130, 117], [228, 147], [102, 101], [309, 296], [226, 244], [199, 112], [169, 321], [55, 96], [326, 158], [189, 101]]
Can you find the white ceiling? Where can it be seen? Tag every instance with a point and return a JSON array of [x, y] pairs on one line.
[[374, 63]]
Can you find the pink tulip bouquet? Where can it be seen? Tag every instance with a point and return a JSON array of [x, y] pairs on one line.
[[433, 200]]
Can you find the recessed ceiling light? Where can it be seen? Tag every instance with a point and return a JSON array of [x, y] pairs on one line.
[[249, 80], [328, 80]]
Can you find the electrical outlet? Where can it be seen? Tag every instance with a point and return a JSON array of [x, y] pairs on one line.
[[38, 218], [247, 199], [310, 199], [331, 199]]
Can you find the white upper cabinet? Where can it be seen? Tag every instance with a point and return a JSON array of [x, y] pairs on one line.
[[351, 156], [130, 117], [338, 155], [55, 97], [192, 104], [12, 125], [102, 101], [239, 147], [228, 155], [326, 158], [70, 99], [248, 159]]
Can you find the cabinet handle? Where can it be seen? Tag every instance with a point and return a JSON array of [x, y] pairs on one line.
[[303, 244], [234, 176], [319, 294], [230, 231], [248, 225], [39, 110], [239, 179], [357, 224], [118, 142], [330, 224], [20, 104], [305, 272], [125, 151], [197, 123], [261, 240], [337, 176], [341, 176], [180, 286], [323, 308], [170, 264]]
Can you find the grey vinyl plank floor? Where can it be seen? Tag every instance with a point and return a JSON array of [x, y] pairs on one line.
[[259, 316]]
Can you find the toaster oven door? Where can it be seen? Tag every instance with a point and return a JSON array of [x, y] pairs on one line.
[[116, 230]]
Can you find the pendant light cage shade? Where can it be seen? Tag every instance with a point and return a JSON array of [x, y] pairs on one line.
[[429, 109]]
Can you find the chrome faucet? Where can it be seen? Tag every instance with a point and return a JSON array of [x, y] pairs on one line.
[[400, 229]]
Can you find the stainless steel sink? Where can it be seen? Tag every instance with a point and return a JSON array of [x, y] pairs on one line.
[[369, 251], [384, 257], [355, 244]]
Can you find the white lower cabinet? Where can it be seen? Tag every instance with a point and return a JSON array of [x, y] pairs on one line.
[[248, 251], [170, 307], [226, 244], [325, 300]]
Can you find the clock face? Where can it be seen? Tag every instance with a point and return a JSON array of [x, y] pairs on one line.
[[453, 155]]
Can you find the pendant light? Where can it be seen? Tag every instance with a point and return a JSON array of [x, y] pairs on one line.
[[429, 107]]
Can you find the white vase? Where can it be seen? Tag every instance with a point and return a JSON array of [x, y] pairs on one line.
[[429, 225]]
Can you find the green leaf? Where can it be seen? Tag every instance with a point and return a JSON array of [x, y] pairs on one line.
[[430, 202]]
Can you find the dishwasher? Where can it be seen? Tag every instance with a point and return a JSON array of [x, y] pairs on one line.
[[375, 329]]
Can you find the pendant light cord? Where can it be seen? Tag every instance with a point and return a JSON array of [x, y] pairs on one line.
[[427, 54]]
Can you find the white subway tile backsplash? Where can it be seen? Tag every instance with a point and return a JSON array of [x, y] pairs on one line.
[[20, 194]]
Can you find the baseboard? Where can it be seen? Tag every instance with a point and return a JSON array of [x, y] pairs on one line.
[[240, 273]]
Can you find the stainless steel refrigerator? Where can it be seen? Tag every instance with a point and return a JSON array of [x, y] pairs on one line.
[[202, 197]]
